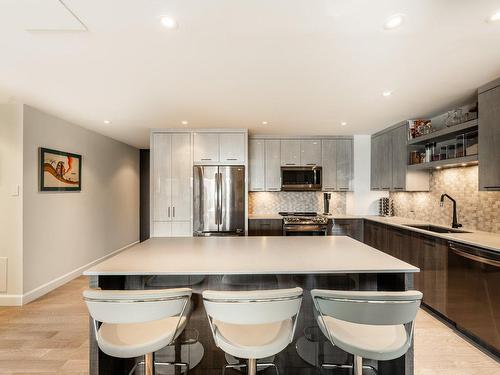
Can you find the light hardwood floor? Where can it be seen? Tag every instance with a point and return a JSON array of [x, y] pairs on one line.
[[49, 336]]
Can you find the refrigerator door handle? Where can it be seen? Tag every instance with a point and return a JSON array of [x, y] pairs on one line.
[[220, 198], [216, 198]]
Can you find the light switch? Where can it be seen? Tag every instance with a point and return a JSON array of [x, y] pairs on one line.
[[15, 190]]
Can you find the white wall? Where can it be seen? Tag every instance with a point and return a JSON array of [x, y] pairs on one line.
[[363, 201], [64, 231], [10, 203]]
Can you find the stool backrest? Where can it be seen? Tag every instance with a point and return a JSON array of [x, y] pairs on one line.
[[252, 307], [374, 308], [135, 306]]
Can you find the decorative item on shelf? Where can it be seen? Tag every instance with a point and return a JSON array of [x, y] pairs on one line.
[[415, 157], [386, 207], [430, 150], [471, 139], [418, 128], [460, 150], [457, 116]]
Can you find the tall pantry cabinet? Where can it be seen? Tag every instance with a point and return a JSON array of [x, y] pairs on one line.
[[171, 172]]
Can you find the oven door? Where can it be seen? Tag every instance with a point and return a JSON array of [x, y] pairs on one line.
[[301, 178], [473, 295], [304, 230]]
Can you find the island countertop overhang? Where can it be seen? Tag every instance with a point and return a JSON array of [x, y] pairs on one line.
[[249, 255]]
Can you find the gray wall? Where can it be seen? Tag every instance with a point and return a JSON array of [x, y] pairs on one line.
[[67, 230]]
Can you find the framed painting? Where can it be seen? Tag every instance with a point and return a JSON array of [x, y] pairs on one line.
[[60, 171]]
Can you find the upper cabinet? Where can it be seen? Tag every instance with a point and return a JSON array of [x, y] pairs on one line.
[[219, 148], [489, 137], [273, 165], [206, 148], [310, 152], [337, 163], [389, 162], [290, 152], [256, 170]]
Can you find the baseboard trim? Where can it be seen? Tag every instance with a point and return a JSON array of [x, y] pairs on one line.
[[11, 299], [56, 283]]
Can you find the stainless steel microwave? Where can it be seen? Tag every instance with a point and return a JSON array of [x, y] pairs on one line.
[[301, 178]]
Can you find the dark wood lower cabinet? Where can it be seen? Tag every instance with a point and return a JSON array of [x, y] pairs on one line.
[[346, 227], [375, 235], [265, 227]]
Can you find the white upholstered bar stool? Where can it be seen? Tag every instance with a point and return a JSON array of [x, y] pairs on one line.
[[253, 324], [367, 324], [137, 323]]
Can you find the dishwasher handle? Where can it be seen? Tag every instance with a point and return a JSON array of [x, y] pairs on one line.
[[459, 250]]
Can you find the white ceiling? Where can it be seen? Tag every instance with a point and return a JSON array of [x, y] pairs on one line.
[[302, 65]]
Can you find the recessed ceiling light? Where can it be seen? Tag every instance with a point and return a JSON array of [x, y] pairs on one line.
[[343, 123], [168, 22], [495, 17], [107, 122], [387, 93], [184, 122], [394, 21], [264, 122]]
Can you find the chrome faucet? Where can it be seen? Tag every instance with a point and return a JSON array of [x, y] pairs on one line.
[[454, 223]]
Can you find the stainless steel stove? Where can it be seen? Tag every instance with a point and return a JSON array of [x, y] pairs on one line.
[[304, 224]]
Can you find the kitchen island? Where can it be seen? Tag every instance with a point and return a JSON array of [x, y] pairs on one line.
[[246, 263]]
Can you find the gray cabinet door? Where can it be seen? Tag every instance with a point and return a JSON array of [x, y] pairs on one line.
[[399, 157], [489, 140], [256, 168], [385, 159], [273, 165], [344, 164], [290, 152], [310, 152], [329, 164], [375, 180]]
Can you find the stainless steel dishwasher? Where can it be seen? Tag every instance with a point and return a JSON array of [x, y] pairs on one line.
[[473, 292]]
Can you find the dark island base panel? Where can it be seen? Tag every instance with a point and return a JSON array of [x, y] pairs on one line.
[[289, 361]]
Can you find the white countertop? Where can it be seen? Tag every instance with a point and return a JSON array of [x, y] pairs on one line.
[[249, 255], [485, 240]]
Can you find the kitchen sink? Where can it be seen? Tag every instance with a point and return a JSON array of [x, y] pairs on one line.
[[435, 228]]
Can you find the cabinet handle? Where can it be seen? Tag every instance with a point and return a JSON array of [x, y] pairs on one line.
[[492, 187], [206, 159], [289, 163], [386, 188], [398, 188], [232, 159], [173, 211], [311, 164], [168, 212], [273, 189], [344, 188]]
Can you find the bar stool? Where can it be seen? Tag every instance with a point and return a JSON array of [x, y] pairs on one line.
[[367, 324], [137, 323], [253, 324]]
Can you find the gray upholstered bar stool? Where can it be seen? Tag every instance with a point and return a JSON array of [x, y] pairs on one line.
[[137, 323], [253, 324], [372, 325]]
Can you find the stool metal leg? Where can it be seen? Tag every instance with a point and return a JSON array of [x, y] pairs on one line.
[[252, 367], [358, 365], [149, 367]]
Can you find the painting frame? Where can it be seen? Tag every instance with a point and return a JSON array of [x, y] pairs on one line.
[[43, 187]]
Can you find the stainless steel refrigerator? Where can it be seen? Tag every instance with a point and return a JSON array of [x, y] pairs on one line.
[[219, 200]]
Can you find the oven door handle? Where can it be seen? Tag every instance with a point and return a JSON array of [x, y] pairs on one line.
[[476, 258]]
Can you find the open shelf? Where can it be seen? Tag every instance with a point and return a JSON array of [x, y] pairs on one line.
[[445, 134], [455, 162]]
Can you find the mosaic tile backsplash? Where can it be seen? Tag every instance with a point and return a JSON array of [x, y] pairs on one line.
[[274, 202], [476, 209]]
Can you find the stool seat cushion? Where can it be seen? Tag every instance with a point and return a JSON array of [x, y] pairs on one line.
[[137, 339], [253, 340], [378, 342]]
